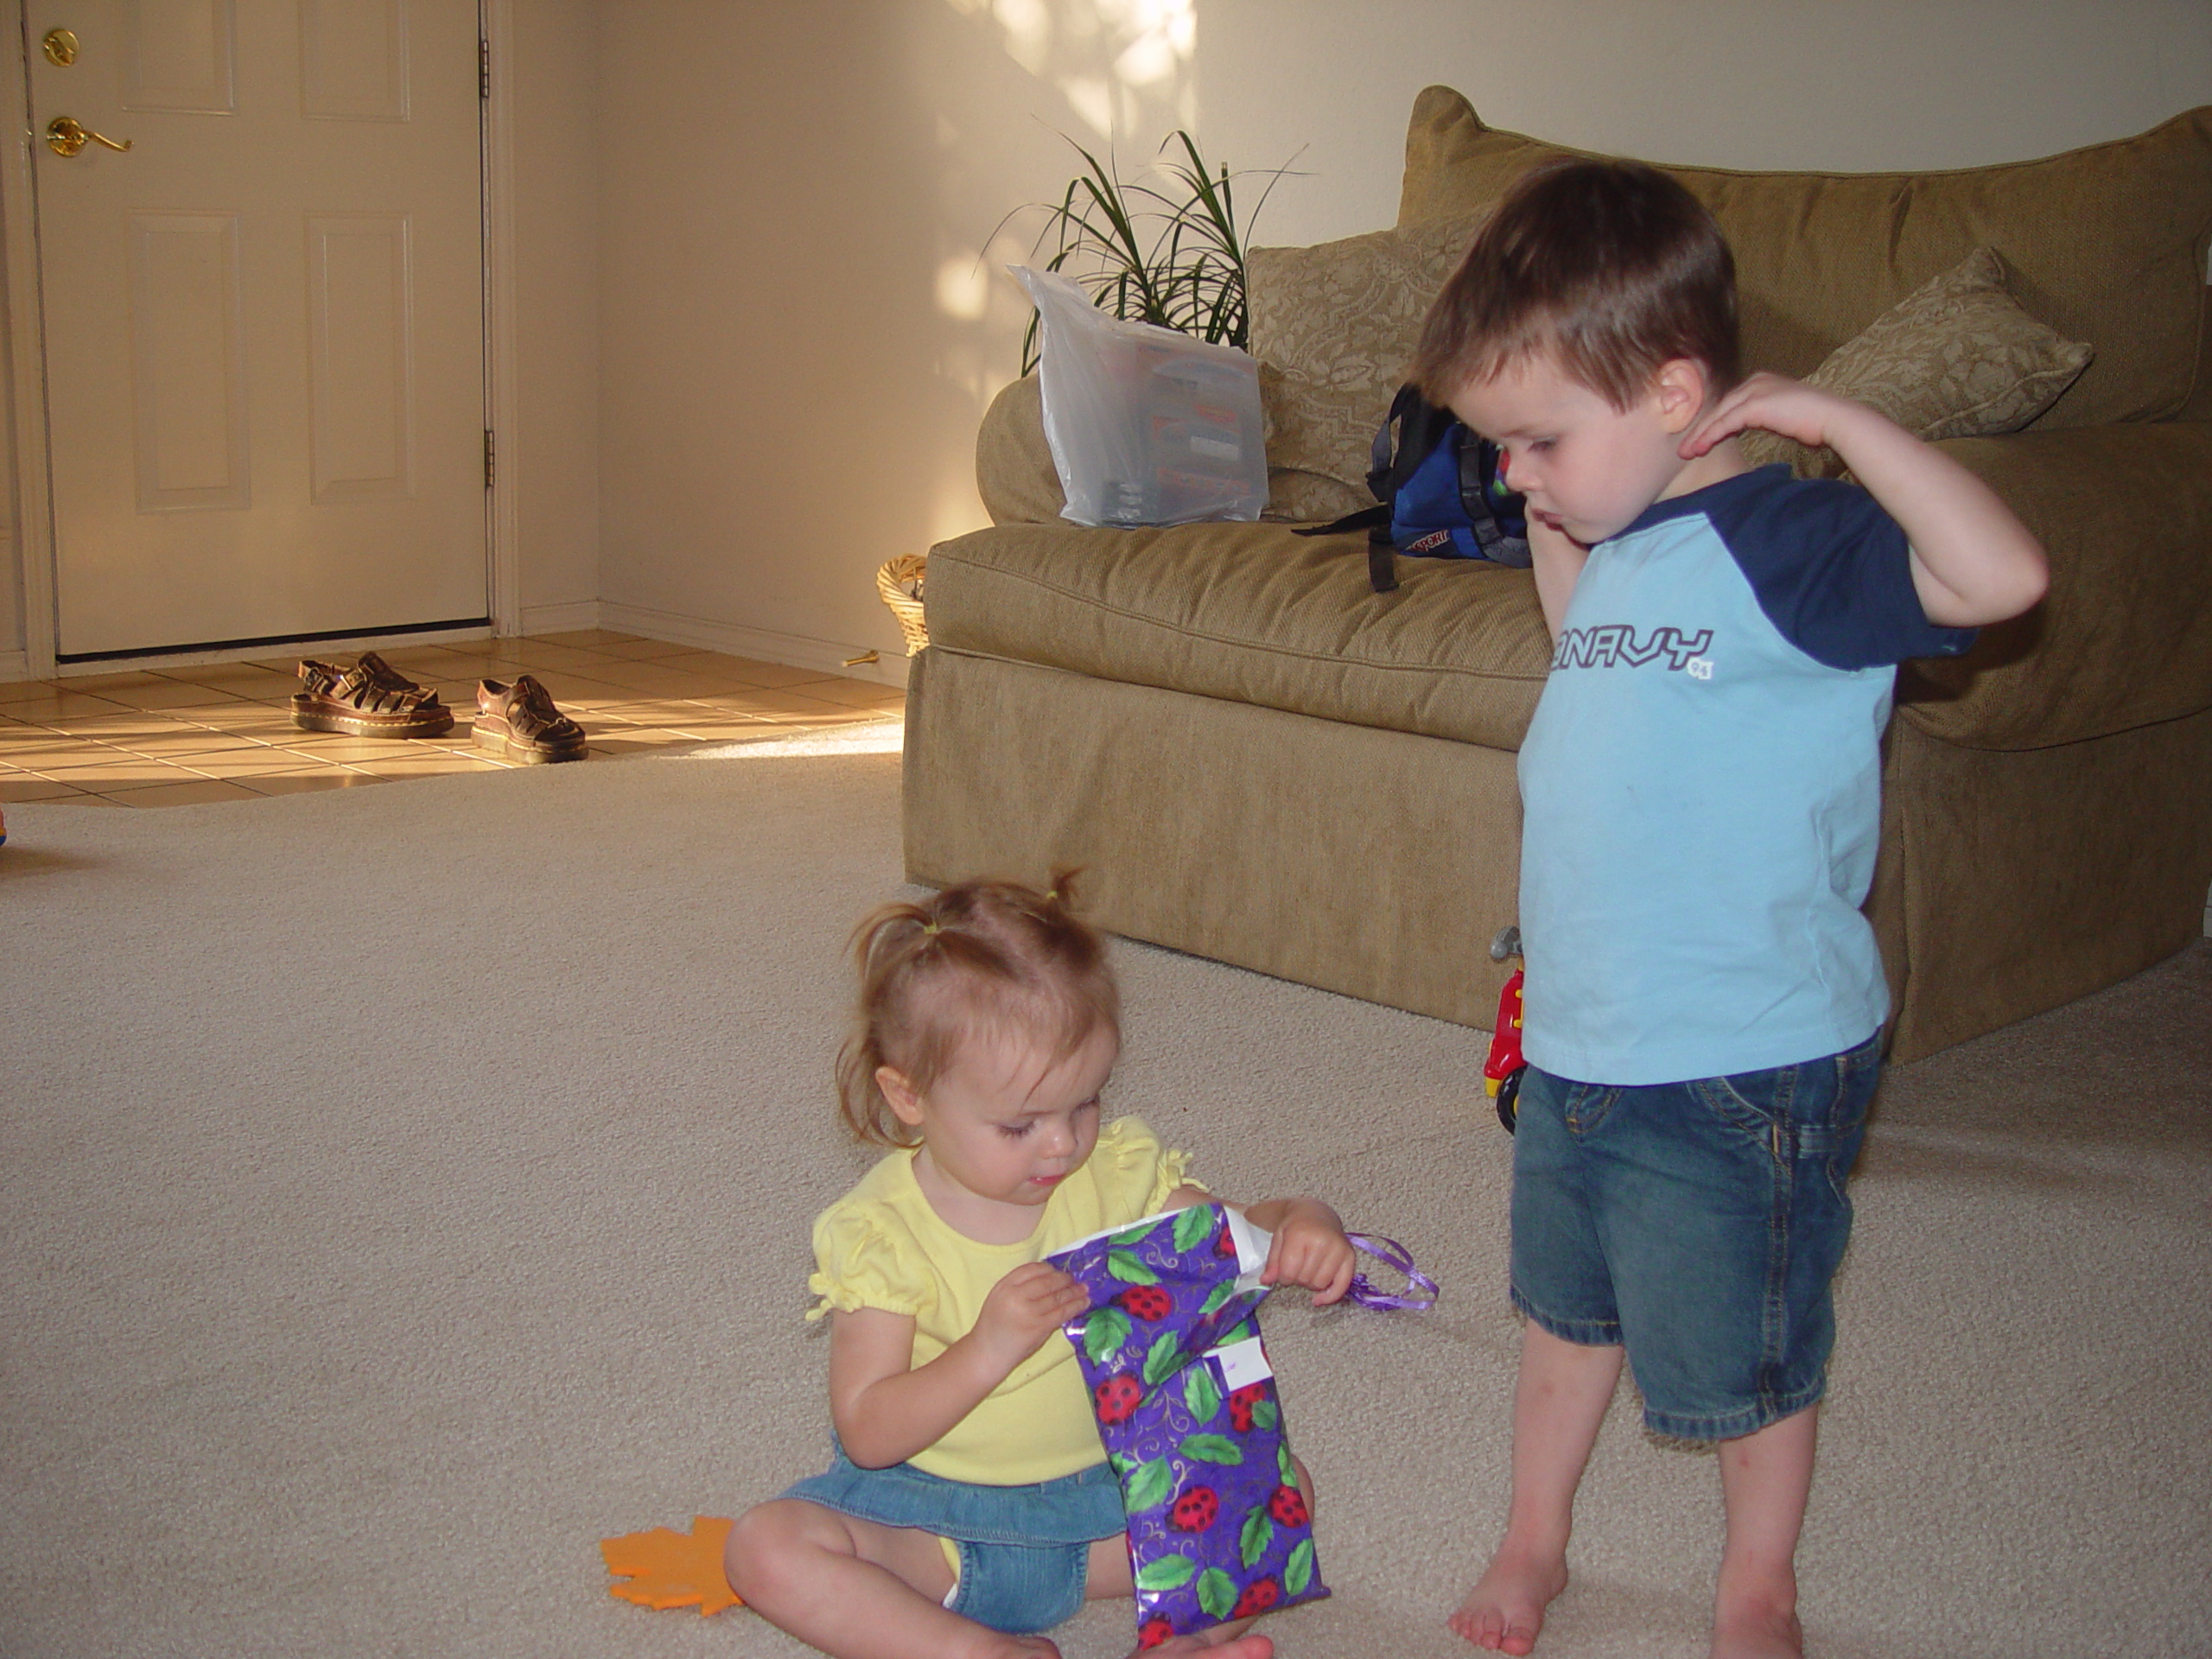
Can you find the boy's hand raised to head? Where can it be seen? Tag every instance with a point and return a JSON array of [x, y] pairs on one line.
[[1770, 402]]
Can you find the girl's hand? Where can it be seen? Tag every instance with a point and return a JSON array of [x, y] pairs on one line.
[[1772, 404], [1024, 1308], [1310, 1248]]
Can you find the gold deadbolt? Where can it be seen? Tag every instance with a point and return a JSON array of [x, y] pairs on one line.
[[61, 47], [65, 136]]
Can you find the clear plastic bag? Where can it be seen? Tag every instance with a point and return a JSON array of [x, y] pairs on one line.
[[1146, 426]]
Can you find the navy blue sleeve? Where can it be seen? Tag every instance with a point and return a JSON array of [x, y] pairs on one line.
[[1832, 571]]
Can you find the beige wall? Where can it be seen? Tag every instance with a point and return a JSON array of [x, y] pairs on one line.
[[796, 342], [550, 450]]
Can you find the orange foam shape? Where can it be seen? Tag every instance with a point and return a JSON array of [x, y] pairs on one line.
[[666, 1568]]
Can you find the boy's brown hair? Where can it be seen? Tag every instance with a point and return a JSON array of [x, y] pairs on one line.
[[976, 959], [1610, 267]]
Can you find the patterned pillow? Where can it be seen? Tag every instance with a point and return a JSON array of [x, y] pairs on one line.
[[1957, 358], [1334, 327]]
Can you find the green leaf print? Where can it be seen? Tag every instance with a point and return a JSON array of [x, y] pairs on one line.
[[1124, 1266], [1193, 1226], [1265, 1414], [1299, 1572], [1200, 1394], [1220, 1293], [1152, 1485], [1166, 1573], [1104, 1332], [1212, 1448], [1259, 1532], [1164, 1355], [1217, 1593], [1242, 1333], [1283, 1462]]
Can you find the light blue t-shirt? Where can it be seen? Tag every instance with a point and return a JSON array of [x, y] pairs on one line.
[[1702, 786]]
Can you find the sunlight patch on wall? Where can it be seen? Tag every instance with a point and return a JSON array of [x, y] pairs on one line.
[[1114, 61], [963, 286]]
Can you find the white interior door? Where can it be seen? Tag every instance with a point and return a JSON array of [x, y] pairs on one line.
[[263, 319]]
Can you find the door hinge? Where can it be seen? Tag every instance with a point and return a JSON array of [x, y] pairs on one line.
[[483, 67], [491, 459]]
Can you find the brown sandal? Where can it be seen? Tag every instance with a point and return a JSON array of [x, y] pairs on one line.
[[520, 723], [371, 699]]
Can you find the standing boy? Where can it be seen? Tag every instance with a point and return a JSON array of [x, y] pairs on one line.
[[1702, 786]]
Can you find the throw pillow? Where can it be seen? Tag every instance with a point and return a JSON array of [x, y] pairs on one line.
[[1334, 327], [1957, 358]]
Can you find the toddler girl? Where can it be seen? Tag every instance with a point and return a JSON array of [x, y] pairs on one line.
[[969, 1504]]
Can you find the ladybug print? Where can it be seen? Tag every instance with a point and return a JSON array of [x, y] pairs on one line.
[[1146, 1302], [1226, 1243], [1259, 1595], [1152, 1632], [1118, 1397], [1240, 1404], [1195, 1510], [1288, 1507]]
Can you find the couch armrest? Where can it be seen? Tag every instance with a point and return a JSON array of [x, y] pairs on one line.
[[2124, 637], [1013, 463]]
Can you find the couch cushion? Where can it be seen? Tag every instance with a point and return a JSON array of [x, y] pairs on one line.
[[1256, 614], [2107, 244]]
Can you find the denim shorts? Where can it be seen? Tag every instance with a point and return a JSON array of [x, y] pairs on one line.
[[1696, 1224], [1025, 1551]]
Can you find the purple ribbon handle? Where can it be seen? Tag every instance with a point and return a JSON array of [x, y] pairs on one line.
[[1391, 1254]]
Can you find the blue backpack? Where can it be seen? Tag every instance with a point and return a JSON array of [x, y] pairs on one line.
[[1439, 495]]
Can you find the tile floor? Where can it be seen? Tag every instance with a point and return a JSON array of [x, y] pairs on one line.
[[223, 731]]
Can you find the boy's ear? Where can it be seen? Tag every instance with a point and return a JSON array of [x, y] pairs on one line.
[[899, 1091], [1680, 388]]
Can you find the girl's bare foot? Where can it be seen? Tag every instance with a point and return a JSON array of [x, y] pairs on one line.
[[1218, 1642], [1504, 1611]]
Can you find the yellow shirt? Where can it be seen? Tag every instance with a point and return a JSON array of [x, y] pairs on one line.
[[881, 1245]]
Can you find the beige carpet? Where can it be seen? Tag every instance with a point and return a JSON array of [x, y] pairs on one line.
[[403, 1187]]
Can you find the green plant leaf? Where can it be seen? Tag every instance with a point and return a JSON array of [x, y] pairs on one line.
[[1169, 1572], [1200, 1393], [1212, 1448], [1217, 1593], [1166, 1355], [1104, 1332], [1298, 1573], [1265, 1414], [1259, 1532], [1124, 1266], [1193, 1226], [1288, 1469], [1220, 1293], [1153, 1484]]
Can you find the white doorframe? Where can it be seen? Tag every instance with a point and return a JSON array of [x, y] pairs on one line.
[[27, 411]]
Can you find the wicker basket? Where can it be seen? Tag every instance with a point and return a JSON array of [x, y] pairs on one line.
[[900, 581]]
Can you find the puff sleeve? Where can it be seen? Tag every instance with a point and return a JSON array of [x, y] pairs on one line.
[[865, 1256], [1135, 1173]]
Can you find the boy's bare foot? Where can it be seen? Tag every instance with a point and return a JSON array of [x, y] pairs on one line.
[[1505, 1610], [1754, 1628]]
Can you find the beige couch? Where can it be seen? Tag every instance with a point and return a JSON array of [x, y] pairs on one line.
[[1258, 760]]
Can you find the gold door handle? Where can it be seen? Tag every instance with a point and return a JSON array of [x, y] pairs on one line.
[[65, 137]]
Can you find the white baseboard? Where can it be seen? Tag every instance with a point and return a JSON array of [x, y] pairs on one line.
[[792, 650], [575, 617], [15, 665]]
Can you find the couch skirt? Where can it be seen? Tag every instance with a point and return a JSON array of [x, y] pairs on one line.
[[1372, 862], [1379, 863]]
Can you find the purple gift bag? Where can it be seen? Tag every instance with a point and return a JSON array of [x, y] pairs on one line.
[[1186, 1407]]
